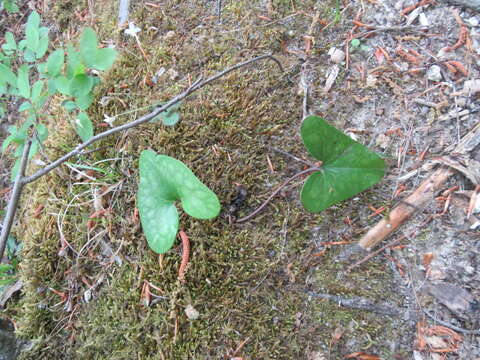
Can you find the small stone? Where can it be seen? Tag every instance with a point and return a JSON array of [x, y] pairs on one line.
[[382, 141], [371, 81], [169, 35], [422, 19], [471, 87], [434, 73], [173, 74], [461, 102], [473, 21], [191, 312], [336, 55]]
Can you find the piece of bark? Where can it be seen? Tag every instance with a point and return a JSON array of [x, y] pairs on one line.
[[453, 297], [402, 212], [471, 4], [424, 193]]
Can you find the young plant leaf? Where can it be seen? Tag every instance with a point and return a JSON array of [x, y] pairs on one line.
[[104, 59], [80, 85], [42, 46], [55, 62], [32, 31], [83, 102], [84, 126], [6, 75], [61, 84], [23, 83], [10, 39], [348, 166], [164, 180], [88, 46]]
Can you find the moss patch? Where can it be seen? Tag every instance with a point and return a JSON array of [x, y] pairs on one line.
[[83, 281]]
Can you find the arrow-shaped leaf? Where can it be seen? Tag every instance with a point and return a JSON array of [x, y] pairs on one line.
[[348, 166]]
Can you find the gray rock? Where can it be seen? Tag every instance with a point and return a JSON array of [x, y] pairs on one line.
[[434, 73]]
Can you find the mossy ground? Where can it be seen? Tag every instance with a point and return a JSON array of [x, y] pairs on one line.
[[248, 282]]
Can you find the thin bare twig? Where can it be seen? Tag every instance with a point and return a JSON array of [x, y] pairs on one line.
[[277, 190], [291, 156], [375, 253], [12, 204]]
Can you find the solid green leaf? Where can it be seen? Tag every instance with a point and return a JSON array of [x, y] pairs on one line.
[[7, 75], [88, 46], [80, 85], [32, 31], [171, 118], [22, 44], [37, 90], [104, 59], [164, 180], [168, 117], [25, 106], [10, 5], [69, 105], [52, 87], [42, 47], [84, 126], [62, 85], [84, 102], [348, 167], [5, 267], [29, 55], [10, 41], [23, 83], [74, 62], [55, 62]]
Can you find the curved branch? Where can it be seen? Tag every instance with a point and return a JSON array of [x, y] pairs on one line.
[[194, 87], [12, 204]]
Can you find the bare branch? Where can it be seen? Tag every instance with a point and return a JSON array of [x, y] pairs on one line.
[[194, 87], [12, 204]]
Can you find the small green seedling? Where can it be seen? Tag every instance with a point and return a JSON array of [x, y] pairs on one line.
[[168, 117], [355, 44], [9, 5], [163, 181], [30, 75], [347, 168]]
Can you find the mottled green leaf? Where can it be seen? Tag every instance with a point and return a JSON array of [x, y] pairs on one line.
[[164, 180]]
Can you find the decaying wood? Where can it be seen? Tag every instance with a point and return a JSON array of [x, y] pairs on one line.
[[423, 194]]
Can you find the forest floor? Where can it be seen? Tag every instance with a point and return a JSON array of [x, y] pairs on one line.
[[400, 77]]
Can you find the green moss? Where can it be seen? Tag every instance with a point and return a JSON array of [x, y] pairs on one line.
[[247, 281]]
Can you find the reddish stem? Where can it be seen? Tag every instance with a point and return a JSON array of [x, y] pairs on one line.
[[185, 255]]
